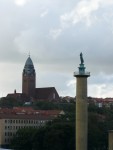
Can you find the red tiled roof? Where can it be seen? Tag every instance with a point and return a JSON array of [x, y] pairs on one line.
[[30, 111], [25, 116]]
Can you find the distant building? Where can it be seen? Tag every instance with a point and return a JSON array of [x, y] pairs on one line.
[[10, 123], [101, 102], [46, 94], [21, 117], [18, 96], [29, 90]]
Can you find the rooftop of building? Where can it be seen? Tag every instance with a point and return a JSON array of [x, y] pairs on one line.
[[29, 113], [25, 116], [29, 62], [44, 93]]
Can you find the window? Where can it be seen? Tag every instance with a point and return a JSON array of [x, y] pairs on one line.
[[10, 133]]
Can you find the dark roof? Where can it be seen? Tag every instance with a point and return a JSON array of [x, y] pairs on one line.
[[14, 95], [29, 62], [28, 113], [44, 93], [29, 67], [18, 96]]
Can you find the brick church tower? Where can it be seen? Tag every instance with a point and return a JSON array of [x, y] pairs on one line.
[[29, 78]]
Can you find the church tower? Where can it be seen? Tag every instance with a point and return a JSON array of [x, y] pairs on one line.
[[28, 78]]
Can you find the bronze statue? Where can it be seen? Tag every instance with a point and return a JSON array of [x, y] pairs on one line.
[[81, 58]]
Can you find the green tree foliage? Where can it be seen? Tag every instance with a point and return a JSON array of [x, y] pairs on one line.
[[39, 139], [100, 121], [9, 102], [23, 139], [54, 135], [67, 107], [97, 133], [45, 105], [60, 137]]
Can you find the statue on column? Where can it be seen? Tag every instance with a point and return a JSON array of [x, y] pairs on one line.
[[81, 58]]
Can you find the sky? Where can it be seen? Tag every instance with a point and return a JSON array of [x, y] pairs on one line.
[[55, 32]]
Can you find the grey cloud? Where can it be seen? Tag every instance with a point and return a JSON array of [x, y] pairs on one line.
[[22, 29]]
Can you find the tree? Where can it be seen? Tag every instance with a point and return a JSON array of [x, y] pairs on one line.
[[38, 139], [9, 102], [23, 139], [57, 136]]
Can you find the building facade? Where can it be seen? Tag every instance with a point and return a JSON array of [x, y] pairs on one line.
[[11, 120], [9, 124]]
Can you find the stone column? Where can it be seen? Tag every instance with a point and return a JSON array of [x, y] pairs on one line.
[[81, 107], [110, 140], [81, 113]]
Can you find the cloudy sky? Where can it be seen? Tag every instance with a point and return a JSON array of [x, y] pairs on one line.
[[55, 32]]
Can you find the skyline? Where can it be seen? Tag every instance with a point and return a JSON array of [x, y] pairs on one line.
[[55, 33]]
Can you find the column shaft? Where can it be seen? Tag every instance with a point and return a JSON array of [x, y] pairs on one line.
[[81, 113]]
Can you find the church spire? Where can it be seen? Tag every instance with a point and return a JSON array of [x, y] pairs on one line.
[[29, 54], [29, 67]]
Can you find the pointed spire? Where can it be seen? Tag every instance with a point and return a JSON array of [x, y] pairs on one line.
[[15, 91], [29, 54], [29, 67]]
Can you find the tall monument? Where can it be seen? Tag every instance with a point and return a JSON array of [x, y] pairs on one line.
[[29, 78], [81, 106]]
